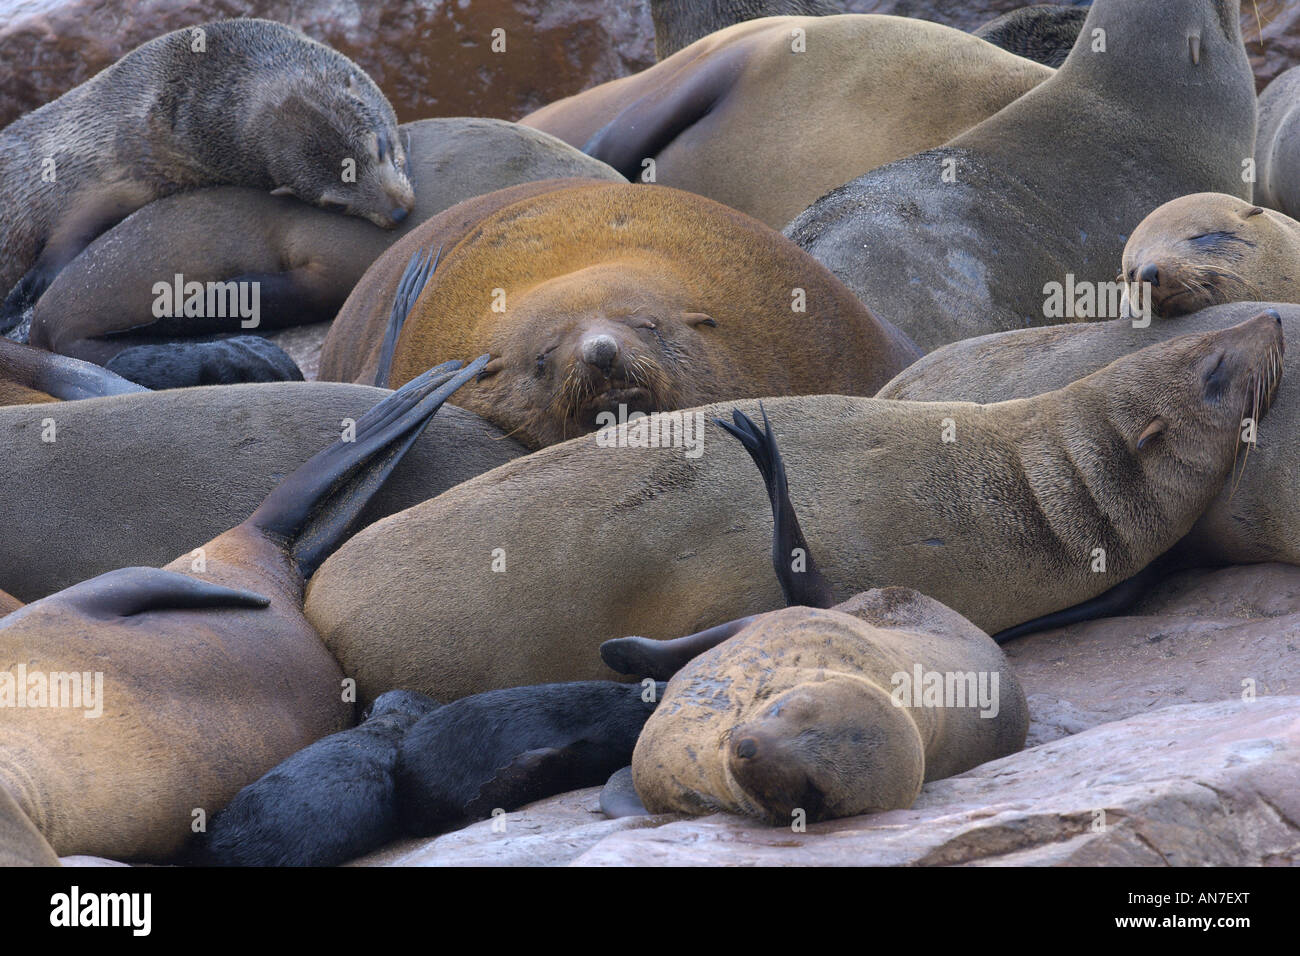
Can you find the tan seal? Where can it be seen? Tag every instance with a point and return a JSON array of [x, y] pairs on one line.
[[138, 703], [1209, 248], [1029, 507], [602, 299], [830, 712], [766, 116], [236, 102]]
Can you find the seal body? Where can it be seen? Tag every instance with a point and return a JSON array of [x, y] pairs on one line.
[[1001, 524], [213, 454], [237, 102], [1277, 147], [502, 749], [21, 844], [325, 805], [821, 711], [1250, 520], [1050, 187], [1042, 32], [1206, 249], [295, 262], [679, 23], [766, 116], [608, 299], [29, 375]]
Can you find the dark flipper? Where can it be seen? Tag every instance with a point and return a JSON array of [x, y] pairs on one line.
[[619, 797], [315, 507], [1110, 603], [58, 375], [806, 587], [129, 591], [647, 125], [409, 288], [644, 657], [532, 775], [227, 361]]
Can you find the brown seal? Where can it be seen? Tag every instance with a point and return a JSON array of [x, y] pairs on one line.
[[236, 102], [29, 375], [21, 844], [1050, 187], [821, 711], [1209, 248], [1252, 519], [1277, 147], [766, 116], [303, 261], [68, 468], [204, 676], [1074, 491], [599, 299]]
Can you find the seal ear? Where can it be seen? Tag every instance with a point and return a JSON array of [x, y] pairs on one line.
[[284, 191], [1156, 426], [1194, 47], [1252, 211], [699, 318]]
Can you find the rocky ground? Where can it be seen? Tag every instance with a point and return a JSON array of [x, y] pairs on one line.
[[1168, 736]]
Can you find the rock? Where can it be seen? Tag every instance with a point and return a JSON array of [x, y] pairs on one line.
[[431, 59], [1199, 636], [302, 343], [89, 861], [1201, 784]]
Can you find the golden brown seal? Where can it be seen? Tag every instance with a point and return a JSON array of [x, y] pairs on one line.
[[601, 299], [767, 115], [1209, 248], [1029, 507]]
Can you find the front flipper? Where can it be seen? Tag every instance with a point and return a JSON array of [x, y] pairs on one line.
[[129, 591], [804, 587], [619, 797], [1109, 603], [228, 361], [660, 660]]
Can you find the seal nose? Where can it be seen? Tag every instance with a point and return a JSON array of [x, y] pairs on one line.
[[1150, 274], [747, 748], [398, 214], [600, 351]]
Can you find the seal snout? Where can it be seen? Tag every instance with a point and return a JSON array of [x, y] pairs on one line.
[[600, 351]]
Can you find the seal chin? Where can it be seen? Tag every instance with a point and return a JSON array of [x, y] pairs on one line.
[[636, 398]]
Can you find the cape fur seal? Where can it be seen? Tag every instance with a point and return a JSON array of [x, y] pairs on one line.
[[1002, 523], [1277, 147], [29, 375], [1253, 517], [1206, 249], [1050, 187], [598, 299], [236, 102], [765, 116], [300, 262], [21, 844], [74, 481], [679, 23], [1042, 32], [804, 710], [201, 684], [325, 805]]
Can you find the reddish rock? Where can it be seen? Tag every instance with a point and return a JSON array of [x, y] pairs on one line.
[[431, 59]]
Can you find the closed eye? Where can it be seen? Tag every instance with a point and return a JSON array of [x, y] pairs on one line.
[[1217, 240]]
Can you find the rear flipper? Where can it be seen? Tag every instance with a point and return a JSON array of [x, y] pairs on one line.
[[660, 660], [801, 582], [315, 507], [619, 797], [227, 361], [409, 287], [1117, 600]]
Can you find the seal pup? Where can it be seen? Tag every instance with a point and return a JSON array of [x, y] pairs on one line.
[[1042, 32], [1206, 249], [290, 263], [765, 116], [819, 711], [235, 102], [612, 299], [329, 803], [1002, 523], [1251, 519], [30, 375], [201, 684], [1049, 188], [66, 467], [505, 748]]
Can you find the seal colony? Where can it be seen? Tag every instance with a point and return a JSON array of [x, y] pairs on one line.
[[476, 576]]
